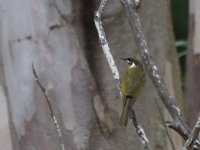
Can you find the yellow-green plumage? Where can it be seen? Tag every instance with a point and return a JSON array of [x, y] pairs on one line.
[[131, 86]]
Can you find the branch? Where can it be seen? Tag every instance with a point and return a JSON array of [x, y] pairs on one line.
[[176, 128], [152, 69], [193, 136], [56, 124], [139, 131], [165, 126], [111, 62], [104, 43]]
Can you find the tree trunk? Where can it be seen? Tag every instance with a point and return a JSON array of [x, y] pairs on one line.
[[193, 64], [60, 39]]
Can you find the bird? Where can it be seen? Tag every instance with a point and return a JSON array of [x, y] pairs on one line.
[[131, 87]]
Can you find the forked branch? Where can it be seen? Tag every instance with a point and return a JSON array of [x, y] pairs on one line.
[[193, 136]]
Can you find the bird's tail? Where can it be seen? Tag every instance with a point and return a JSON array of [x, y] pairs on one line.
[[123, 120]]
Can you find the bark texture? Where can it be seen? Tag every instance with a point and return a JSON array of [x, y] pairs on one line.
[[193, 64], [59, 37]]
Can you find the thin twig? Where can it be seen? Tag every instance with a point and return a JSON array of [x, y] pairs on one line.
[[165, 126], [193, 136], [56, 124], [152, 69], [111, 62], [139, 131], [104, 43]]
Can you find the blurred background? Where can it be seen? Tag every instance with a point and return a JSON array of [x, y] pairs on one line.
[[59, 38], [184, 16]]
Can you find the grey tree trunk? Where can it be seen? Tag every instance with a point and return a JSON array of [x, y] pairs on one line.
[[60, 39], [193, 65]]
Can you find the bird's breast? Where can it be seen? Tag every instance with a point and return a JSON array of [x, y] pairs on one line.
[[133, 82]]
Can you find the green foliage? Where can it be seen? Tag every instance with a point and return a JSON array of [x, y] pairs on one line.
[[180, 9]]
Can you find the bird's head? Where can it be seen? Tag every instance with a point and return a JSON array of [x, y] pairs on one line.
[[129, 60], [132, 61]]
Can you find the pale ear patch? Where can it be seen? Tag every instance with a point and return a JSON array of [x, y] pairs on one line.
[[133, 65]]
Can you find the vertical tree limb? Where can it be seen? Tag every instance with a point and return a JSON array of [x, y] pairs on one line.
[[104, 43]]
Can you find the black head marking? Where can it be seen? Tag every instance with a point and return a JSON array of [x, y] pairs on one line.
[[131, 60]]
